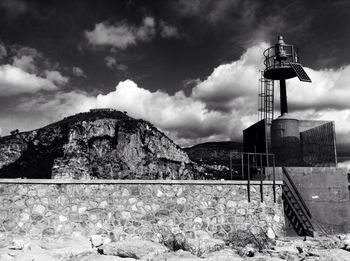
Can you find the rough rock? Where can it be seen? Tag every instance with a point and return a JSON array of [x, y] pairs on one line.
[[98, 240], [177, 256], [103, 144], [202, 243], [17, 244], [226, 254], [249, 250], [138, 249], [63, 249], [33, 252], [213, 153], [331, 255], [98, 257], [214, 158], [5, 257]]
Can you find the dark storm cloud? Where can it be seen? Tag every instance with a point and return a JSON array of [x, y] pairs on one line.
[[14, 8], [150, 50]]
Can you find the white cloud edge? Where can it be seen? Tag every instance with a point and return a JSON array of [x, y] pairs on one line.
[[198, 117]]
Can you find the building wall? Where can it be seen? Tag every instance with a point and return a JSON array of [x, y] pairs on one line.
[[254, 137], [326, 194], [40, 208], [305, 125], [318, 145]]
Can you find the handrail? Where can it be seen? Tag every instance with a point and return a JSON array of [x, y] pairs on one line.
[[299, 197]]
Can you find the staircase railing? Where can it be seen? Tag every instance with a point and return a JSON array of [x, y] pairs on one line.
[[295, 191], [297, 206]]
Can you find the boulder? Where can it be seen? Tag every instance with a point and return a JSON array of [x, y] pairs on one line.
[[138, 249], [249, 250], [177, 256], [98, 257], [5, 257], [98, 240], [202, 243], [63, 249], [226, 254], [32, 251], [331, 254], [17, 244]]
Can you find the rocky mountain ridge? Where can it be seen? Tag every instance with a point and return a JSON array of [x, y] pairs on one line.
[[100, 144], [214, 153]]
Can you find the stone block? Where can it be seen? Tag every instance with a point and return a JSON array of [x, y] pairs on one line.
[[181, 201], [62, 218], [9, 224], [30, 201], [81, 210], [159, 193], [138, 249], [132, 200], [231, 204], [36, 217], [198, 220], [20, 203], [241, 211], [48, 232], [162, 212], [126, 215], [3, 214], [125, 193], [103, 204]]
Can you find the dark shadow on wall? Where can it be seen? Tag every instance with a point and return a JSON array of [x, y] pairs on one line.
[[35, 162]]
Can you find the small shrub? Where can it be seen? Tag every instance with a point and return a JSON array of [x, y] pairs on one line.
[[172, 241], [242, 238]]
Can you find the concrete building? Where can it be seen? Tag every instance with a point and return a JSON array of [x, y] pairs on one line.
[[315, 191]]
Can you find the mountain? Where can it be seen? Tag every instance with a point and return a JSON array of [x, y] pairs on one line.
[[214, 153], [100, 144]]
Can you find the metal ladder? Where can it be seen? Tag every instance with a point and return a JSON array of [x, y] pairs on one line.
[[295, 207], [266, 99]]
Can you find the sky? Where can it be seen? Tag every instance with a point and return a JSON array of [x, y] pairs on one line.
[[190, 67]]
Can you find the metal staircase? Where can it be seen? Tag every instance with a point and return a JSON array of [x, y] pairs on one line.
[[295, 208]]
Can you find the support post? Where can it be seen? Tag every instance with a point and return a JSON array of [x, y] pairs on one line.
[[248, 183], [283, 92]]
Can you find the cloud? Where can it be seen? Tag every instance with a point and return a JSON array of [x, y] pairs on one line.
[[218, 108], [329, 90], [14, 8], [233, 85], [25, 62], [3, 51], [213, 12], [188, 119], [122, 67], [25, 50], [181, 117], [26, 58], [168, 31], [110, 61], [121, 35], [77, 71], [28, 71], [14, 80], [56, 77]]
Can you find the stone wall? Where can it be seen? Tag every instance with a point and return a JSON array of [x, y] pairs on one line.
[[56, 208]]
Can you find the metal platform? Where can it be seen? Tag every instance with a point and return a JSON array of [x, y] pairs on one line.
[[279, 72]]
